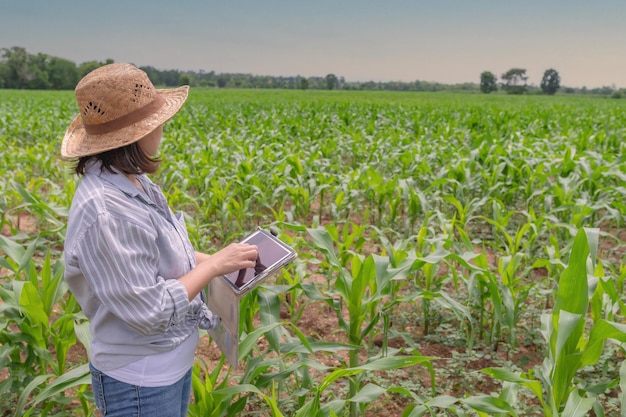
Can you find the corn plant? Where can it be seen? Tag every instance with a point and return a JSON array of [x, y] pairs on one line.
[[45, 314], [205, 383], [569, 348], [361, 286], [291, 283]]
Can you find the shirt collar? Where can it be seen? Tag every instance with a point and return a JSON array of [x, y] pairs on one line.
[[117, 178], [152, 197]]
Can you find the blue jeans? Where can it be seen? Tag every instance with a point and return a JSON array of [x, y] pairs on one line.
[[118, 399]]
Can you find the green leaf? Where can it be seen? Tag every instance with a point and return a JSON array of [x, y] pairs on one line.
[[77, 376], [368, 393], [269, 305], [26, 392], [504, 374], [593, 239], [507, 375], [14, 250], [567, 323], [442, 401], [488, 404], [27, 258], [572, 292], [243, 388], [601, 331], [394, 362], [251, 339], [327, 347], [323, 240], [576, 406], [435, 257], [237, 389], [382, 364], [31, 303], [83, 334]]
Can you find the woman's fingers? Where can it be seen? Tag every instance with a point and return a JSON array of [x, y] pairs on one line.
[[234, 257]]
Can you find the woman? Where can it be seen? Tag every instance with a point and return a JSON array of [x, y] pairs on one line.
[[128, 259]]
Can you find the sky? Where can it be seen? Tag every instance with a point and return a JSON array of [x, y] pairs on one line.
[[447, 41]]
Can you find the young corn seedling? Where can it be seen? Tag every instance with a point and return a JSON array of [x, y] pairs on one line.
[[45, 314], [572, 343], [360, 285]]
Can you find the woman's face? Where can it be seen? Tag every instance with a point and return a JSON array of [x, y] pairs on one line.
[[150, 142]]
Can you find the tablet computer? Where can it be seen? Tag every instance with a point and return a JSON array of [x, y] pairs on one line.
[[273, 255]]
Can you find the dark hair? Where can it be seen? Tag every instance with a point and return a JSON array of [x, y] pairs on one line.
[[129, 159]]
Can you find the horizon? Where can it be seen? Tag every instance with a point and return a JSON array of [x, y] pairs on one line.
[[450, 42]]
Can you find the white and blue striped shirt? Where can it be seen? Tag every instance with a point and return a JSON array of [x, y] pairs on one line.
[[124, 251]]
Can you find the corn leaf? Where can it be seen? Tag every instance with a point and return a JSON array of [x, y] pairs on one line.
[[572, 292], [368, 393], [14, 250], [33, 306], [601, 331], [250, 340], [70, 379], [576, 406], [488, 404]]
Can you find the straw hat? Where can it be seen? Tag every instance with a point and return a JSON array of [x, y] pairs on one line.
[[118, 106]]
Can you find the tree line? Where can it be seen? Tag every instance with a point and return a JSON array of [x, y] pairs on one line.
[[514, 81], [20, 69]]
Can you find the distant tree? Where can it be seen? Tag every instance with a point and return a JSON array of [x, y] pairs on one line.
[[222, 80], [184, 79], [369, 85], [515, 81], [550, 82], [62, 74], [303, 84], [18, 73], [603, 91], [153, 73], [4, 75], [488, 82], [38, 76], [331, 81], [170, 78], [89, 66]]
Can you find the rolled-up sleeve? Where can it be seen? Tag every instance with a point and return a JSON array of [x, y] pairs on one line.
[[119, 259]]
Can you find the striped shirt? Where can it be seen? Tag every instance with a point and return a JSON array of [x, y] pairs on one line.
[[124, 251]]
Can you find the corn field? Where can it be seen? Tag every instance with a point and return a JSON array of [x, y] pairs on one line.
[[485, 226]]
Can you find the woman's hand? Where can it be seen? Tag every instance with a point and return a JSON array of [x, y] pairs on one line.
[[232, 258]]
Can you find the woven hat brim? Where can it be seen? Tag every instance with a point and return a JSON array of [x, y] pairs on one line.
[[78, 143]]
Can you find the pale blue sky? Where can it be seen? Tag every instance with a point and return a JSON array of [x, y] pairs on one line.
[[449, 41]]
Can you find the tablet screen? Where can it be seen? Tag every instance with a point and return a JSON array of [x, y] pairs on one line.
[[271, 254]]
